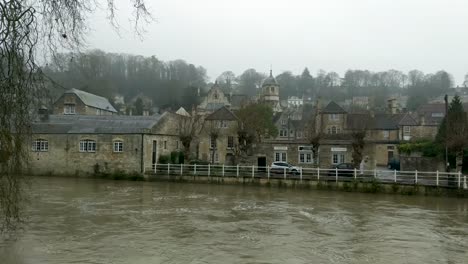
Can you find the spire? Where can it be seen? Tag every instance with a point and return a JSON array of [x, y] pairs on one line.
[[271, 71]]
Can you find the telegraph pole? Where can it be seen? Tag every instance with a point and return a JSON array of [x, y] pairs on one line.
[[447, 166]]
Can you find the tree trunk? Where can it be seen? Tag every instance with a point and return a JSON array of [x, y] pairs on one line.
[[459, 160]]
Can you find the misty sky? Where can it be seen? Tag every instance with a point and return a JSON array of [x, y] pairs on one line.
[[334, 35]]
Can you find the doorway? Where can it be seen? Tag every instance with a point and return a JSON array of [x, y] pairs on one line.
[[261, 163]]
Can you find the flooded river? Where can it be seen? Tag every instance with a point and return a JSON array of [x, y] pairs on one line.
[[97, 221]]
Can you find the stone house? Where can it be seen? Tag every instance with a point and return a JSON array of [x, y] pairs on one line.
[[83, 145], [214, 100], [77, 102], [218, 140]]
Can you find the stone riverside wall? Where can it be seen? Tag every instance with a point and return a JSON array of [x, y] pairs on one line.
[[366, 187]]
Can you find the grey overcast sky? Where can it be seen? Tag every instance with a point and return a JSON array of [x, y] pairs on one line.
[[334, 35]]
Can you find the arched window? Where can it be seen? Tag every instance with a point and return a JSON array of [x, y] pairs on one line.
[[40, 145], [333, 130]]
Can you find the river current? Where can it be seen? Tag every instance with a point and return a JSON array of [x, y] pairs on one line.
[[97, 221]]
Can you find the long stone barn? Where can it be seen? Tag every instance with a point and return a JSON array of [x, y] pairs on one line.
[[83, 145]]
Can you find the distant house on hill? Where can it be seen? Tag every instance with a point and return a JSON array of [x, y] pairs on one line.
[[78, 102]]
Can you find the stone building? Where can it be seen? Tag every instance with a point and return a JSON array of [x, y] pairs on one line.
[[218, 140], [77, 102], [83, 145], [270, 93], [214, 100]]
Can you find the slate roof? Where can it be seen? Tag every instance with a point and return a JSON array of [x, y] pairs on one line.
[[333, 108], [222, 114], [365, 121], [86, 124], [93, 100]]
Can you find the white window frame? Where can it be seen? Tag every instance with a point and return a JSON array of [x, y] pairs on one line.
[[283, 122], [338, 158], [69, 109], [305, 154], [334, 117], [88, 145], [281, 156], [40, 145], [283, 133], [118, 146]]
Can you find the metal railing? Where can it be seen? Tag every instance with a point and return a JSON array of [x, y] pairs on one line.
[[424, 178]]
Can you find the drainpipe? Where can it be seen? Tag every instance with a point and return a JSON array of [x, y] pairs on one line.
[[142, 163]]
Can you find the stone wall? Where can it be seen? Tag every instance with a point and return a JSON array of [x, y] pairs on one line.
[[417, 162], [64, 157]]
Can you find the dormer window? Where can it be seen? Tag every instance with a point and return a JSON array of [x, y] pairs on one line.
[[69, 109]]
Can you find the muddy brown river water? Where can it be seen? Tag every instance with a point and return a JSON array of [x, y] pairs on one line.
[[98, 221]]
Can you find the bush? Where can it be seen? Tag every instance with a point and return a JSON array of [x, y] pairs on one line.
[[426, 147]]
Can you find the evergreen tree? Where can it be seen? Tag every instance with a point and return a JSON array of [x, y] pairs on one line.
[[456, 124]]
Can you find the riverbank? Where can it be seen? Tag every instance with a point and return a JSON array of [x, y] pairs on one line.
[[373, 186]]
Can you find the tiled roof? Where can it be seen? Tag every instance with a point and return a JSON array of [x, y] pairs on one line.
[[86, 124], [222, 114], [92, 100], [333, 108]]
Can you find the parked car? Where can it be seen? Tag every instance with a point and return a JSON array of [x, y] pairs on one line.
[[279, 167], [393, 164], [344, 169]]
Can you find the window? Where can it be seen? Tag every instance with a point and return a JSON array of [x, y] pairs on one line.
[[230, 143], [334, 117], [222, 124], [386, 134], [87, 145], [280, 156], [283, 133], [98, 112], [40, 145], [213, 142], [291, 133], [165, 144], [177, 144], [338, 158], [272, 89], [69, 109], [333, 130], [305, 154], [216, 157], [283, 122], [406, 130], [118, 146], [299, 134], [328, 130], [437, 114]]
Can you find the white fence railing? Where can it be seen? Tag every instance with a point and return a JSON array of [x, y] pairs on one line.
[[437, 178]]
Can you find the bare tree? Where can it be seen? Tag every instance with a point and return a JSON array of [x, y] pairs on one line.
[[188, 128], [212, 128], [29, 28]]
